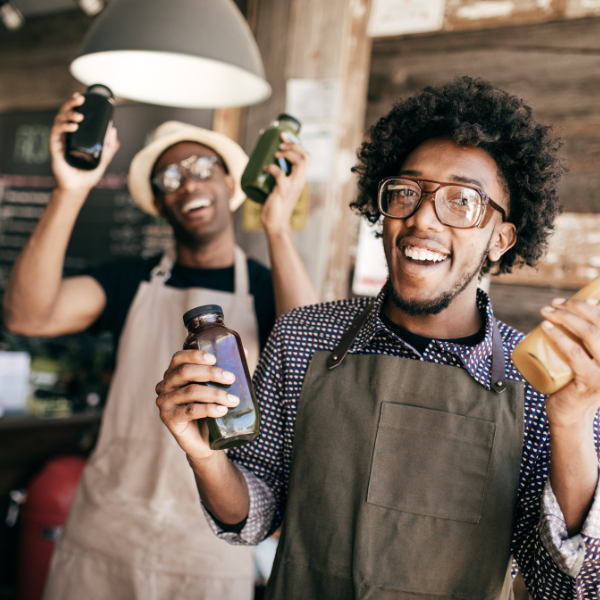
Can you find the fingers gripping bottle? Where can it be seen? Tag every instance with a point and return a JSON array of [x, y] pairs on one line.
[[84, 146], [207, 332], [539, 360], [257, 184]]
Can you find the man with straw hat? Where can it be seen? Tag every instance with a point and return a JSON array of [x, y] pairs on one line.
[[136, 529]]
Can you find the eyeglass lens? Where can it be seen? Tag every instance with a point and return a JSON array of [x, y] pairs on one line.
[[455, 205], [171, 178]]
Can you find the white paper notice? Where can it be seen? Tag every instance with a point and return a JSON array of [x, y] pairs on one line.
[[398, 17], [313, 102], [370, 271], [14, 377]]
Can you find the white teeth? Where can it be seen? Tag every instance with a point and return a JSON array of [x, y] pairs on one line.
[[195, 204], [423, 254]]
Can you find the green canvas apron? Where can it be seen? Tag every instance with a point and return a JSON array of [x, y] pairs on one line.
[[403, 481]]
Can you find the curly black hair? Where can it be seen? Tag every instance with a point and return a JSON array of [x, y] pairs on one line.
[[473, 112]]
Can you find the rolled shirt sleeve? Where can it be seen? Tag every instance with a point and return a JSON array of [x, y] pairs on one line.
[[568, 553], [261, 514]]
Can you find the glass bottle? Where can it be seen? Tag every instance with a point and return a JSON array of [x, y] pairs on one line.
[[539, 360], [84, 146], [257, 184], [207, 332]]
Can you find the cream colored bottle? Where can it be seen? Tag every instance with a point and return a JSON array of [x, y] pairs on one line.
[[539, 360]]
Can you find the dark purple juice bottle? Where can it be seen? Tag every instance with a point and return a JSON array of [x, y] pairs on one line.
[[207, 332]]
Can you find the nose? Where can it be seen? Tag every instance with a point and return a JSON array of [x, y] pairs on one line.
[[190, 185], [425, 219]]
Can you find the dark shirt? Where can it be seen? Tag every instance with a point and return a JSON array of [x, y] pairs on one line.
[[420, 343], [120, 280]]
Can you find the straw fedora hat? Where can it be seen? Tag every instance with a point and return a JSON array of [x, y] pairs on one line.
[[170, 133]]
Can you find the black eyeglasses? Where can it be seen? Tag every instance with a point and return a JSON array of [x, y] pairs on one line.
[[170, 178], [456, 205]]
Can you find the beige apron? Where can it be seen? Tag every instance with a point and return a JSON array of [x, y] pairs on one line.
[[136, 529]]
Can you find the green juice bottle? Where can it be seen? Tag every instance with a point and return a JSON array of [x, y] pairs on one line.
[[257, 184]]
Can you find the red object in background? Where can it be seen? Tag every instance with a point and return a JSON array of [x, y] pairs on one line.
[[43, 515]]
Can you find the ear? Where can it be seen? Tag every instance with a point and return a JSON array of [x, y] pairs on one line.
[[504, 238], [230, 183]]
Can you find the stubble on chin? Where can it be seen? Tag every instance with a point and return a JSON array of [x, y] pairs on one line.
[[433, 306]]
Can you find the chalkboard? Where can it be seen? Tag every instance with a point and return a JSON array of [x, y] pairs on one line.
[[110, 224]]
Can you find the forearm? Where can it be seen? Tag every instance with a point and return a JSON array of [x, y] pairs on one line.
[[222, 488], [36, 277], [574, 470], [291, 282]]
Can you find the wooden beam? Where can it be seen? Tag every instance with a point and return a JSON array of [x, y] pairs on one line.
[[312, 39]]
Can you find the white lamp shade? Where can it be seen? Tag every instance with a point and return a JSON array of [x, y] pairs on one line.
[[184, 53]]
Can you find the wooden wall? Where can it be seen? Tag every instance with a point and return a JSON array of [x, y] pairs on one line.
[[554, 66]]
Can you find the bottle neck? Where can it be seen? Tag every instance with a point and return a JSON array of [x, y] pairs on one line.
[[201, 321], [287, 125]]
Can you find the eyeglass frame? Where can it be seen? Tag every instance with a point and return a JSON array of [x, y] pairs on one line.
[[213, 160], [486, 200]]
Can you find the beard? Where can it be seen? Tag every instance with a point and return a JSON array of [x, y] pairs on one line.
[[422, 308]]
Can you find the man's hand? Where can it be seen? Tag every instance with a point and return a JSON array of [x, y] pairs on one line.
[[68, 178], [580, 399], [571, 410], [182, 399], [279, 206]]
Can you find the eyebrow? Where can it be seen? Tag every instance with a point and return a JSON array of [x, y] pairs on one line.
[[457, 178]]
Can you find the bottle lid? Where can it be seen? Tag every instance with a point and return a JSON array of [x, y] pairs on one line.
[[201, 310], [100, 89], [286, 117]]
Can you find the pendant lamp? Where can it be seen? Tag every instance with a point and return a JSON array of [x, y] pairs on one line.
[[183, 53]]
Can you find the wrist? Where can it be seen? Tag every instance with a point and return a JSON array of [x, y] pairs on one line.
[[204, 463], [571, 424], [72, 196], [278, 232]]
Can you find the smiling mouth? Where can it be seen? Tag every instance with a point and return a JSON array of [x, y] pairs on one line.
[[195, 205], [423, 256]]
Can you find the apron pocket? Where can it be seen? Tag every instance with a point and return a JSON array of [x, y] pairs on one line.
[[431, 462]]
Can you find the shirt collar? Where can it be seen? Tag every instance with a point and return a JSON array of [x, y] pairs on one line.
[[473, 358]]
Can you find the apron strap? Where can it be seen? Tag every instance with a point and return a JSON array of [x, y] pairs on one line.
[[340, 351], [240, 272], [162, 271], [498, 363]]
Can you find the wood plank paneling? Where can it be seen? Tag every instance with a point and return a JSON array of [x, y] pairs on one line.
[[311, 39], [554, 66]]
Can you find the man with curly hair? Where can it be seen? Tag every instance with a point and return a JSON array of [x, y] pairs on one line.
[[403, 452]]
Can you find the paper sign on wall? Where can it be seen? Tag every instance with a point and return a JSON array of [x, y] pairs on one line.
[[313, 102], [14, 377], [370, 271], [398, 17]]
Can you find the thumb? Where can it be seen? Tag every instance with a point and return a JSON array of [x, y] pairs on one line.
[[111, 146]]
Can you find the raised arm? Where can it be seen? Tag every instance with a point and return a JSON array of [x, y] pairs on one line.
[[572, 411], [38, 301], [292, 284]]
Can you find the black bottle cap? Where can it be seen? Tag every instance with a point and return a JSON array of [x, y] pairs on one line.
[[100, 89], [286, 117], [201, 310]]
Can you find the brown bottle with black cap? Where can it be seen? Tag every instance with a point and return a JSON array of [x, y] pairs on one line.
[[207, 332]]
